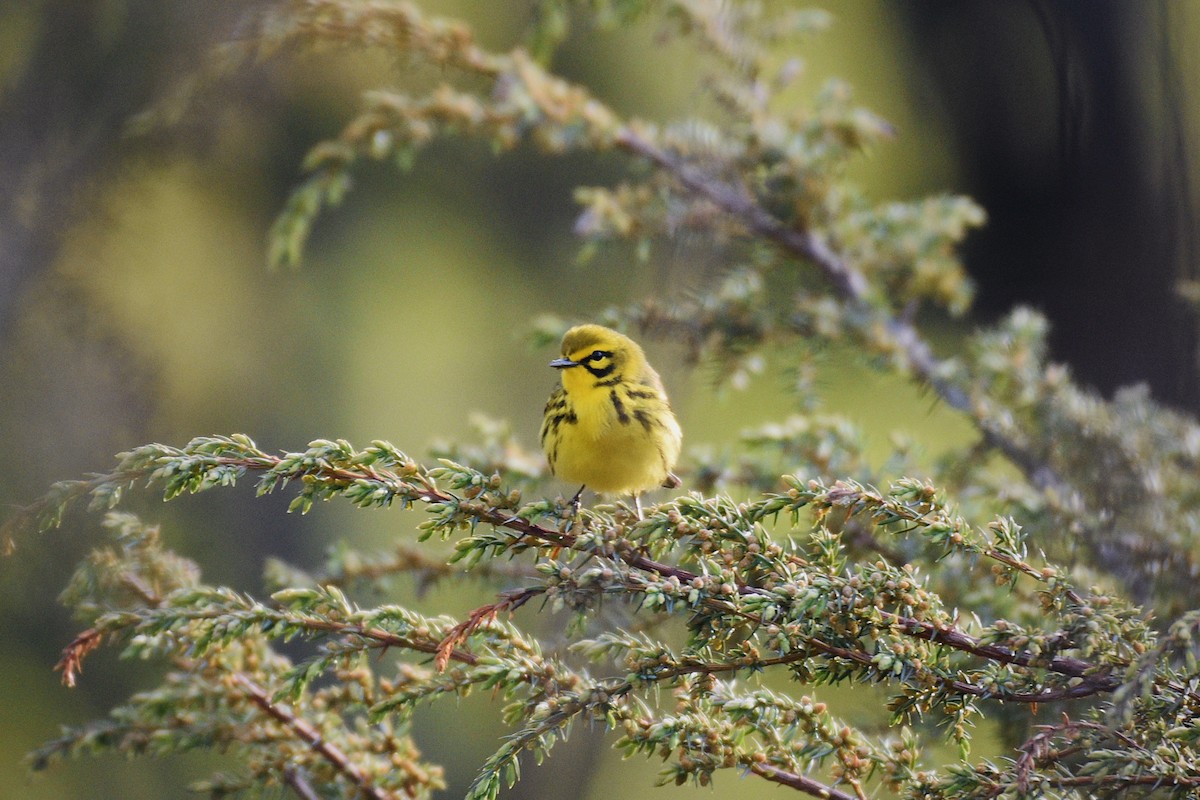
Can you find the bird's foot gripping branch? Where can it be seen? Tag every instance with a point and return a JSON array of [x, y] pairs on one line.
[[773, 585]]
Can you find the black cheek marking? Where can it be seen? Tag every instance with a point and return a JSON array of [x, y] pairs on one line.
[[622, 414], [600, 373], [610, 382]]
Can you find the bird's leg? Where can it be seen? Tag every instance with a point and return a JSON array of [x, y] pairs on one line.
[[637, 504], [575, 501]]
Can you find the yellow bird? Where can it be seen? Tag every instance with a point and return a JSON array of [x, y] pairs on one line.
[[609, 426]]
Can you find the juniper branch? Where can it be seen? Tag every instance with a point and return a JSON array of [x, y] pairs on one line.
[[1094, 679], [327, 468], [850, 284]]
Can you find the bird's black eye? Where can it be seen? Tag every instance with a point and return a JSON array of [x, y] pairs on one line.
[[598, 355]]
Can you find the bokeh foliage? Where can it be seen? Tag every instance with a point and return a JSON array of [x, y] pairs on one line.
[[1039, 579]]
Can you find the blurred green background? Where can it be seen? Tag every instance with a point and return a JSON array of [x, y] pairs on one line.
[[135, 305]]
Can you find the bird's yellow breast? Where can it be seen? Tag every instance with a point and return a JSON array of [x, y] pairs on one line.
[[614, 452], [609, 426]]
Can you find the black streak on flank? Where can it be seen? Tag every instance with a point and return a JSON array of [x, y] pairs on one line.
[[644, 418], [622, 414], [558, 411], [558, 419]]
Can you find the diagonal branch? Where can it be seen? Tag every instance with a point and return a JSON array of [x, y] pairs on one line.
[[308, 733], [801, 782], [849, 283], [72, 661], [735, 200], [1093, 680]]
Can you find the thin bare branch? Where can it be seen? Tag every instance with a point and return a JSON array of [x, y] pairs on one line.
[[849, 283]]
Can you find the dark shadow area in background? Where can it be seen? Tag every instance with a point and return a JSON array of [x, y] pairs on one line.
[[1068, 124]]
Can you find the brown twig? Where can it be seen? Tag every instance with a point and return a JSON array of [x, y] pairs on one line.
[[510, 601], [299, 784], [71, 662], [305, 730], [802, 783], [386, 639], [1037, 748]]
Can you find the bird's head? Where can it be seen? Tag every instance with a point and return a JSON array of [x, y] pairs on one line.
[[592, 353]]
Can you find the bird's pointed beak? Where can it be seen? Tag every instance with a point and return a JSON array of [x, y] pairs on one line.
[[563, 363]]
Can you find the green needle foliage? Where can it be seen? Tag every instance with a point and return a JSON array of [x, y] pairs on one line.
[[1041, 579]]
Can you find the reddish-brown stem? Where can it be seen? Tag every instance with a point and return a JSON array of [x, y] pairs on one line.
[[800, 782]]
